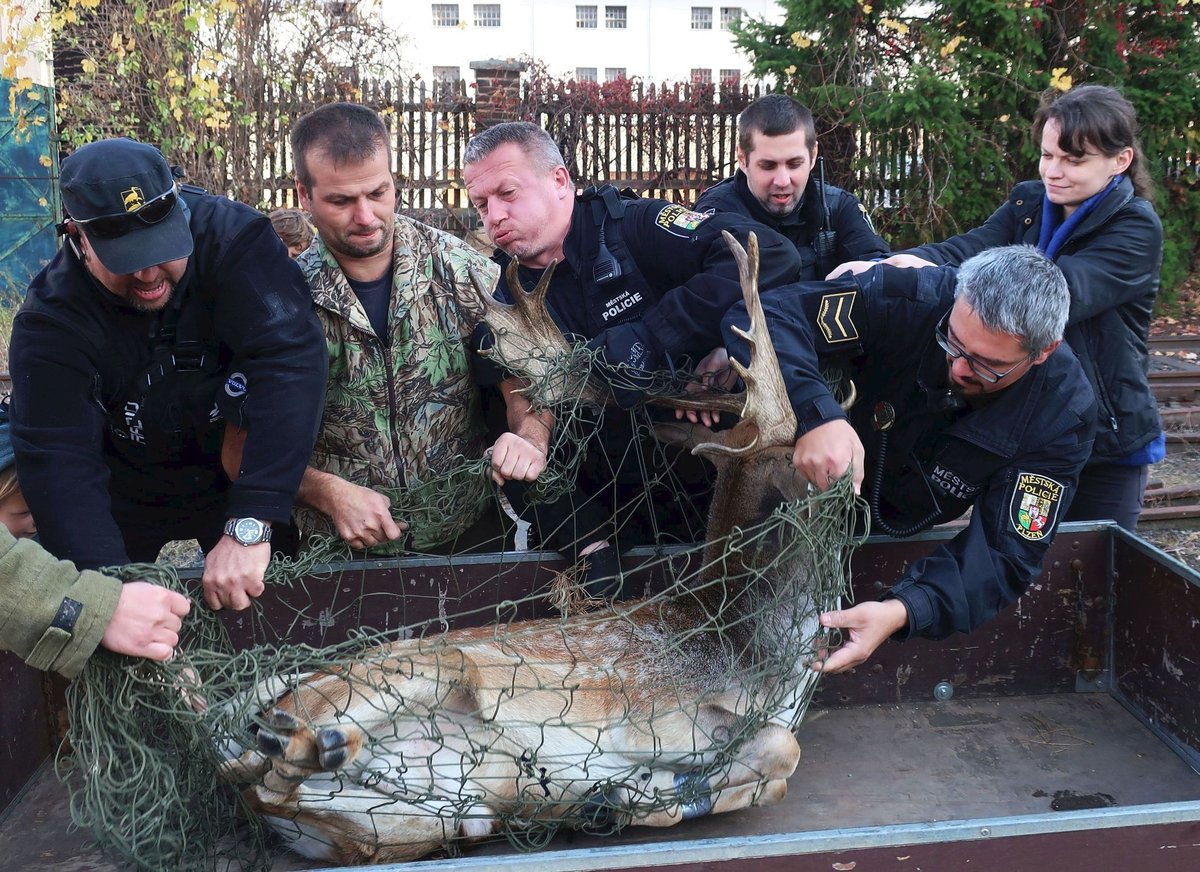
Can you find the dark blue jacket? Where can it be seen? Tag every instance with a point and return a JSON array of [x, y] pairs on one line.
[[1112, 262], [1013, 457], [247, 348], [678, 274], [856, 236]]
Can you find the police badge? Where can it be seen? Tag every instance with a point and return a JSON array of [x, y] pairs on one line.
[[1034, 505]]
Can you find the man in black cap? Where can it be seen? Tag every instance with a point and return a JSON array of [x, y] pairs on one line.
[[169, 313]]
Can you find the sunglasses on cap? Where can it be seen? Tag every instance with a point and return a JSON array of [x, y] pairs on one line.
[[982, 370], [113, 226]]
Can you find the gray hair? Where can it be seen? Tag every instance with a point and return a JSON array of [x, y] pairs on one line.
[[1017, 290], [537, 144]]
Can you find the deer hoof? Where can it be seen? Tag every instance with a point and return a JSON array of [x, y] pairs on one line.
[[271, 744], [281, 720], [332, 748]]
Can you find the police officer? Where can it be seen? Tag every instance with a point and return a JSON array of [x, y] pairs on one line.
[[967, 400], [776, 186], [644, 281], [168, 312]]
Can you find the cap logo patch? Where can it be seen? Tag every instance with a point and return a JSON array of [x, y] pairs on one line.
[[1034, 506], [834, 317], [674, 219], [132, 199]]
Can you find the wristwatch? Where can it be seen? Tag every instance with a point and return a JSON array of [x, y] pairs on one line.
[[248, 531]]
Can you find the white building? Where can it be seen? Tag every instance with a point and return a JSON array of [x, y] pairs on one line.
[[656, 40]]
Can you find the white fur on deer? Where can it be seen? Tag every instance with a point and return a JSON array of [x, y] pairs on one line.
[[645, 712]]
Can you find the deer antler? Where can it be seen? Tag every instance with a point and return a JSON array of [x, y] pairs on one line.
[[526, 341], [767, 416]]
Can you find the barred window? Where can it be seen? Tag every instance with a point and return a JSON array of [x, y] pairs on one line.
[[731, 78], [487, 14], [585, 74], [615, 17], [445, 82], [445, 15], [585, 17], [611, 74], [447, 74], [730, 15], [702, 75], [701, 18]]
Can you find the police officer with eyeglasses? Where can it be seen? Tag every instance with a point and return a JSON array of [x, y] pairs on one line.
[[967, 399], [169, 315]]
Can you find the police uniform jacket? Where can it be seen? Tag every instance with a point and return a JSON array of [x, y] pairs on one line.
[[678, 274], [1013, 457], [856, 236], [113, 404], [1112, 262]]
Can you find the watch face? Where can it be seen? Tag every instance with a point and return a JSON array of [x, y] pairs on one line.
[[248, 530]]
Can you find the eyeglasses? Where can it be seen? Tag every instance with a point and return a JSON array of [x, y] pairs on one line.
[[112, 226], [985, 372]]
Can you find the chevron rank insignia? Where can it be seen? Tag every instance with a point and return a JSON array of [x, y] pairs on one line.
[[835, 317]]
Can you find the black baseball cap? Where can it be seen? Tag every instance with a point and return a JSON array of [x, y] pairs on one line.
[[114, 180]]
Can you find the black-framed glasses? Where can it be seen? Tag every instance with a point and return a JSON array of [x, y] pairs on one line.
[[112, 226], [985, 372]]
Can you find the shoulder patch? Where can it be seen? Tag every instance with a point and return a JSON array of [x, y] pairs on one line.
[[835, 317], [1034, 506], [680, 221]]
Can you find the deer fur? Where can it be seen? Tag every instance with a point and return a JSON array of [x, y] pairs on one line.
[[646, 712]]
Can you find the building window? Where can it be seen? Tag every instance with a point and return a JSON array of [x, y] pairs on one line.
[[731, 78], [701, 75], [585, 74], [487, 14], [615, 17], [445, 82], [701, 18], [447, 74], [445, 15], [585, 17], [611, 74], [730, 15]]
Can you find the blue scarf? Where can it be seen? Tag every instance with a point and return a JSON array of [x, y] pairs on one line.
[[1055, 231]]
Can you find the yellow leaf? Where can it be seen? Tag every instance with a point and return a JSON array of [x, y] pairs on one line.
[[867, 8], [791, 71], [88, 66], [42, 202], [89, 4], [893, 24], [799, 40], [1059, 79], [949, 48], [1004, 118], [227, 6], [115, 42], [23, 84], [44, 160]]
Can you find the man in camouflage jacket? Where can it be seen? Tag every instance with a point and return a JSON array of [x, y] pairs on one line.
[[403, 427]]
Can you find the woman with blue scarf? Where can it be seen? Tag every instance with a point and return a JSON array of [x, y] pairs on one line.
[[1091, 214]]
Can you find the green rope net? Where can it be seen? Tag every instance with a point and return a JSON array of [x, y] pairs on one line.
[[444, 713]]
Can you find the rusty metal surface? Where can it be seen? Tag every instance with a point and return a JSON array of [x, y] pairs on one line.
[[24, 727], [1156, 641]]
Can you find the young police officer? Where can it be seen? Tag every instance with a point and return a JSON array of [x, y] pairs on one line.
[[168, 310], [644, 281], [967, 399], [775, 185]]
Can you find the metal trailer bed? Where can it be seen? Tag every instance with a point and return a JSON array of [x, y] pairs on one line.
[[1065, 735]]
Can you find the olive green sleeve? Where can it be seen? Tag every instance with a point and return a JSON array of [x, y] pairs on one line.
[[51, 614]]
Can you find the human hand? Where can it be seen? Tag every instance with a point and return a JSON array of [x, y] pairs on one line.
[[516, 459], [146, 622], [233, 573], [868, 625], [824, 453], [713, 371], [850, 268], [361, 516], [907, 261]]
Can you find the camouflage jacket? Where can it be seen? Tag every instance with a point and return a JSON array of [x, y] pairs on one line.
[[404, 418]]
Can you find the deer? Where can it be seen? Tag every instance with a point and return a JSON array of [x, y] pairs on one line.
[[646, 712]]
